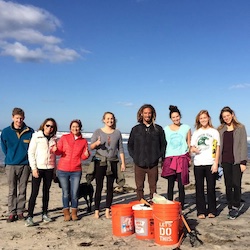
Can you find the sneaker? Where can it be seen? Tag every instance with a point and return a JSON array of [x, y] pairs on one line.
[[233, 213], [20, 217], [29, 222], [46, 218], [11, 218]]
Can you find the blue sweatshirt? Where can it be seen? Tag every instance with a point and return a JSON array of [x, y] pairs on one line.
[[15, 144]]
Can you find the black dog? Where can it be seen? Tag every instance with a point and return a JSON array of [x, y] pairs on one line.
[[85, 191]]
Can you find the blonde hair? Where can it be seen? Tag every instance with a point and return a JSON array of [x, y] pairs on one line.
[[197, 119]]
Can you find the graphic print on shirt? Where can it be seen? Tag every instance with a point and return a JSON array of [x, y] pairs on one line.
[[202, 145], [176, 140]]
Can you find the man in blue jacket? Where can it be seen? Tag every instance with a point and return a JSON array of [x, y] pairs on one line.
[[146, 145], [14, 142]]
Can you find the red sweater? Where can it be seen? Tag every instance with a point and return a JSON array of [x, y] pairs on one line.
[[72, 152]]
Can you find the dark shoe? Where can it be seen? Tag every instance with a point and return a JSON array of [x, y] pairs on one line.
[[20, 217], [233, 213], [11, 218]]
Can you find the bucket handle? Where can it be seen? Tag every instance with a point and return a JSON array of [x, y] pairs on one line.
[[165, 219]]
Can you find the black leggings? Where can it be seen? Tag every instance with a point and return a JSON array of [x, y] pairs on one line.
[[232, 178], [46, 175], [100, 172], [181, 188]]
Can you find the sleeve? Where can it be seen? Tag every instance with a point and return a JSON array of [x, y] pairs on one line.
[[193, 139], [94, 137], [243, 150], [60, 143], [32, 152], [131, 143], [3, 143], [120, 144], [163, 144]]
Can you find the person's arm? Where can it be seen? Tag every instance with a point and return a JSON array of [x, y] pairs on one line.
[[163, 144], [122, 155], [130, 144], [95, 140], [243, 150], [85, 155], [214, 168], [3, 144], [32, 156], [189, 140]]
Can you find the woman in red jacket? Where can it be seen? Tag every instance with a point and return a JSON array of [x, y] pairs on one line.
[[73, 148]]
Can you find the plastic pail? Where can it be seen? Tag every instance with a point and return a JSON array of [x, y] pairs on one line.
[[166, 223], [132, 203], [144, 222], [122, 220]]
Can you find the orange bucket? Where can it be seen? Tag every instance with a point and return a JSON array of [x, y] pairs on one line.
[[167, 223], [144, 222], [122, 219]]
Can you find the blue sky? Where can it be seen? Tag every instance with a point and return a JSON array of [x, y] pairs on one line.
[[78, 59]]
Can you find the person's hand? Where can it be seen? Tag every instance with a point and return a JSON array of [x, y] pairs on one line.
[[243, 167], [98, 142], [214, 168], [35, 173], [53, 148], [86, 153], [195, 150], [123, 167]]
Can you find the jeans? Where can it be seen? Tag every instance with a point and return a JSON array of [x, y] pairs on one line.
[[46, 175], [70, 184], [17, 176]]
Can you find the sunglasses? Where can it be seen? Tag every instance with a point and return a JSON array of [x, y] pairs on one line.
[[47, 125]]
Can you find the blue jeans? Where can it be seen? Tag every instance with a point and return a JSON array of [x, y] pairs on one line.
[[70, 183]]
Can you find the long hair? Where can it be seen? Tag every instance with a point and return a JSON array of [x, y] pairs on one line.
[[197, 119], [235, 122], [140, 111], [110, 113], [54, 131], [174, 109]]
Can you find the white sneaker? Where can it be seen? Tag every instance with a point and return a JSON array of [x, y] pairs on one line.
[[46, 218], [29, 222]]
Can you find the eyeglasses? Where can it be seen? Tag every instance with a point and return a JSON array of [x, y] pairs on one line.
[[47, 125]]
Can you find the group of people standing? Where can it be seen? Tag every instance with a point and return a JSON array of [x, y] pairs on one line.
[[209, 147], [26, 150]]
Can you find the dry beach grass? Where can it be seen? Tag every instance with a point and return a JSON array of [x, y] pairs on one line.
[[90, 233]]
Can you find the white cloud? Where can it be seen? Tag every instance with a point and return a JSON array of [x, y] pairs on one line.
[[126, 104], [240, 86], [25, 34]]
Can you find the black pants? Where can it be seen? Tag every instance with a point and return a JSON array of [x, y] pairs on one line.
[[201, 173], [171, 182], [100, 172], [46, 175], [232, 178]]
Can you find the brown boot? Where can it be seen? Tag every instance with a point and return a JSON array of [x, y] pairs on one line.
[[74, 214], [66, 214]]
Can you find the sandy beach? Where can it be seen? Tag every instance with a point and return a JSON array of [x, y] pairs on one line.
[[90, 233]]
